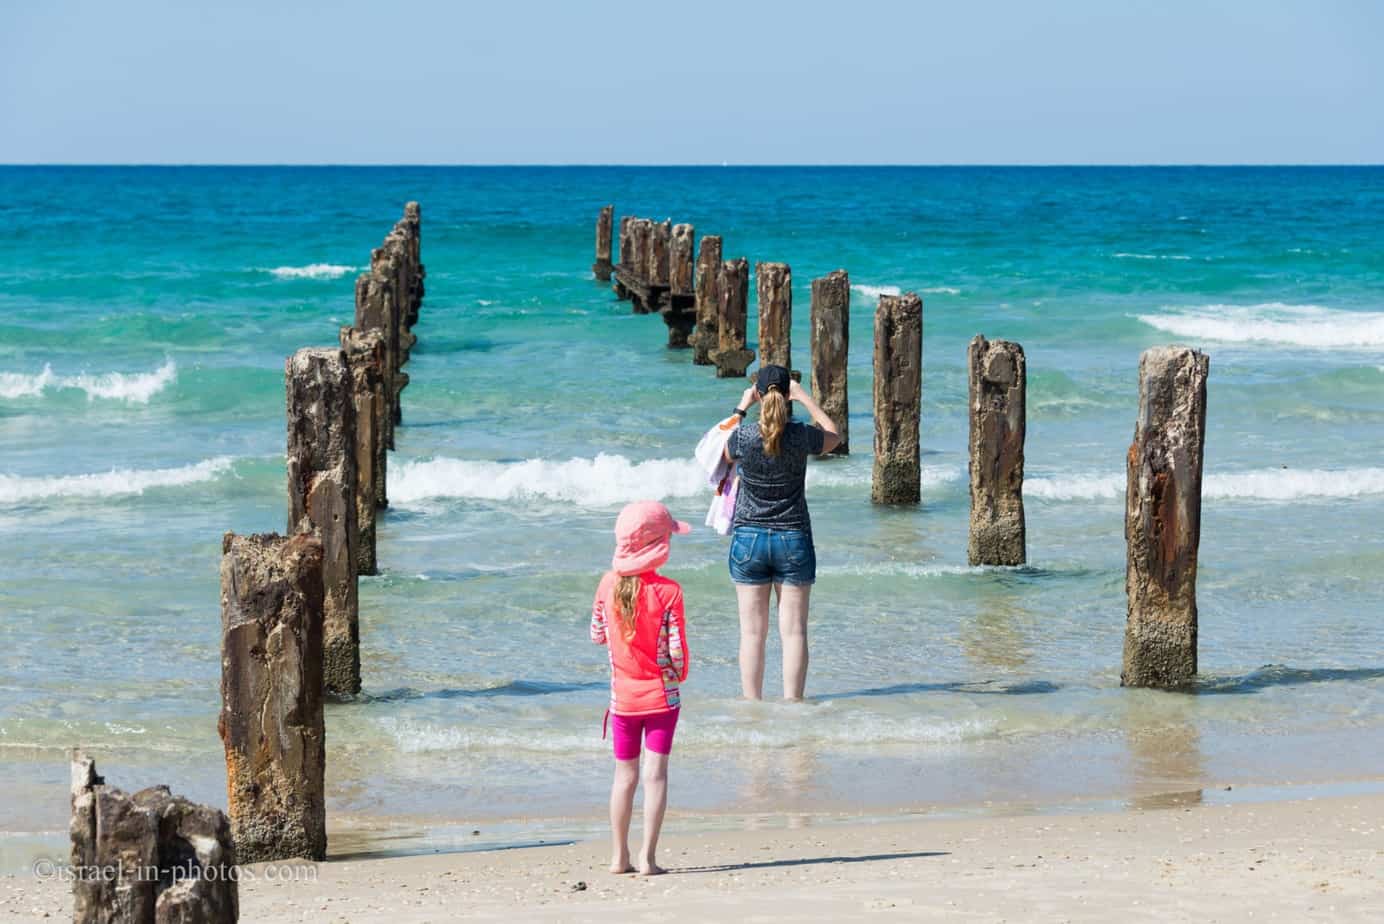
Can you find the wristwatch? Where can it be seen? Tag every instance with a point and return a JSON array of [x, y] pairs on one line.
[[739, 412]]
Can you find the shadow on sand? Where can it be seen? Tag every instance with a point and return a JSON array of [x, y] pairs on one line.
[[1278, 675], [808, 861]]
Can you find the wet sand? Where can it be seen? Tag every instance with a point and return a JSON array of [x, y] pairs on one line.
[[1311, 859]]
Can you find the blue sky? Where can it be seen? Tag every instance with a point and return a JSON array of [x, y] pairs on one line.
[[852, 81]]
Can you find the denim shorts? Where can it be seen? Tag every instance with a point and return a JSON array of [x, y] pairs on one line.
[[772, 556]]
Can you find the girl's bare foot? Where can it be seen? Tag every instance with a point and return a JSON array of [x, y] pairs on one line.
[[651, 869], [621, 865]]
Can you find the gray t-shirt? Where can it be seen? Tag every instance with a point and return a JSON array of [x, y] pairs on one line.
[[771, 487]]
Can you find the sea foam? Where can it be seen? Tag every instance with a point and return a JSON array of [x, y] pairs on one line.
[[1274, 323], [134, 387], [16, 489], [605, 481], [1269, 484], [312, 271]]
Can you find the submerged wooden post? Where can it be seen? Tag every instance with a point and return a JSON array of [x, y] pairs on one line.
[[897, 476], [998, 387], [706, 336], [642, 235], [271, 695], [150, 856], [365, 358], [679, 307], [322, 498], [733, 292], [831, 340], [774, 286], [602, 267], [1163, 518]]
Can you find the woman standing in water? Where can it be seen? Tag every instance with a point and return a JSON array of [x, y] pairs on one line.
[[771, 545]]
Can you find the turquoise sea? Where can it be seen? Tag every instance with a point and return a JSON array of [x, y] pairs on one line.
[[145, 314]]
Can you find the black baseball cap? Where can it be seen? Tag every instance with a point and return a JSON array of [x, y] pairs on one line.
[[772, 378]]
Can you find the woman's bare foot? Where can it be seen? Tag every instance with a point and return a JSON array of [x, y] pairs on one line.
[[651, 869], [621, 865]]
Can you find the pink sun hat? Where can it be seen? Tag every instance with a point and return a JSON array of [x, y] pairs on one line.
[[641, 537]]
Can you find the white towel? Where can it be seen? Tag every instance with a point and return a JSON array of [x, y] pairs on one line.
[[721, 475]]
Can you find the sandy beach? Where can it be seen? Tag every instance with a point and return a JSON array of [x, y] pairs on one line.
[[1312, 859]]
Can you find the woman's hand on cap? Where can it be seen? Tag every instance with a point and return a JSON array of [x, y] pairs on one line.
[[748, 399]]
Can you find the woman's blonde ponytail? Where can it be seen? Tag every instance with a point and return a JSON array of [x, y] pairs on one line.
[[773, 417]]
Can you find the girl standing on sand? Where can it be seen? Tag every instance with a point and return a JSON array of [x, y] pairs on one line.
[[772, 539], [638, 615]]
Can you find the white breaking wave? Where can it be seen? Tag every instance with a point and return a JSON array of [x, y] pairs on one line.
[[1269, 484], [1275, 323], [312, 271], [136, 387], [941, 290], [118, 481], [1150, 256], [875, 291], [605, 481]]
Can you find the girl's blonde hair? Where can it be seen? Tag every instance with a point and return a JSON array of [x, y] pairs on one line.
[[627, 603], [773, 417]]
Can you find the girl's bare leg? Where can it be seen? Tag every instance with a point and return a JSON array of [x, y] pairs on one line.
[[753, 600], [793, 633], [621, 807], [655, 802]]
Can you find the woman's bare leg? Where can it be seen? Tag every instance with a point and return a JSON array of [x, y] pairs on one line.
[[793, 633], [621, 807], [753, 600], [655, 802]]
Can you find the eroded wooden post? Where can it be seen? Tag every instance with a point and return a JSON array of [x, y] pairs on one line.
[[322, 497], [679, 307], [642, 234], [998, 386], [147, 857], [375, 311], [602, 267], [733, 291], [706, 337], [623, 267], [365, 358], [831, 340], [774, 286], [897, 476], [271, 695], [1163, 518]]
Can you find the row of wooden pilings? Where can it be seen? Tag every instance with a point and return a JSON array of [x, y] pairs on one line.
[[290, 612], [705, 307]]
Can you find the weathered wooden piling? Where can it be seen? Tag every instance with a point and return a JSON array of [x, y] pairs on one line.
[[774, 287], [706, 302], [679, 302], [388, 298], [147, 858], [733, 295], [636, 278], [602, 267], [831, 340], [271, 695], [998, 387], [365, 358], [1163, 518], [897, 477], [660, 244], [322, 497]]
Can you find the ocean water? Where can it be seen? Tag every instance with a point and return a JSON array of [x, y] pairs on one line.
[[145, 314]]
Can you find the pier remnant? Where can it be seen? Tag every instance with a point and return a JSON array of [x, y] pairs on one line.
[[733, 295], [271, 695], [1163, 518], [635, 277], [364, 352], [706, 336], [998, 388], [626, 251], [602, 267], [774, 287], [831, 340], [321, 497], [147, 858], [898, 399], [388, 298], [679, 305]]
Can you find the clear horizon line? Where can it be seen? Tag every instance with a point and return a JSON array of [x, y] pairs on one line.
[[703, 165]]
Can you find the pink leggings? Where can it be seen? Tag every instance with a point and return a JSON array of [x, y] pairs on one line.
[[656, 730]]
